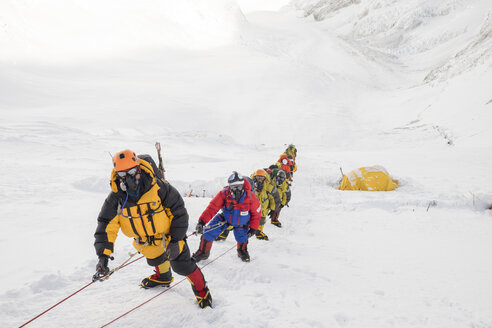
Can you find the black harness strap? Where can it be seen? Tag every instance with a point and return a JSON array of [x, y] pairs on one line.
[[133, 227], [131, 221], [150, 217], [141, 220]]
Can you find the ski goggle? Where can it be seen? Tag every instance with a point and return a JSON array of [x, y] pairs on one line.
[[131, 172], [236, 187], [236, 177]]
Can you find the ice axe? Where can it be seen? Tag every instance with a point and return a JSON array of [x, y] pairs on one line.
[[161, 166], [99, 277]]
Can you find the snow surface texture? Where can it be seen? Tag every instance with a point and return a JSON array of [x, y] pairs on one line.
[[224, 86]]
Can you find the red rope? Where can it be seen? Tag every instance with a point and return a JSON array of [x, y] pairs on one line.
[[63, 300], [155, 296], [147, 301], [66, 298]]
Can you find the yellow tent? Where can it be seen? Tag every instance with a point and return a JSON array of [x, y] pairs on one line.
[[370, 178]]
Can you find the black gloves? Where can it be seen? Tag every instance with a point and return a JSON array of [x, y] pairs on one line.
[[102, 266], [199, 226], [251, 232], [172, 250]]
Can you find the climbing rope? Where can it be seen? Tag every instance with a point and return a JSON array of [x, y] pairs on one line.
[[96, 277], [105, 277], [63, 300], [76, 292], [155, 296]]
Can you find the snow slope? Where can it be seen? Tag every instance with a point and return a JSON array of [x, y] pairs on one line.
[[224, 86]]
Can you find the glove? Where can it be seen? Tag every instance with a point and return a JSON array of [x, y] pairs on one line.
[[251, 232], [101, 268], [172, 250], [199, 226], [102, 265]]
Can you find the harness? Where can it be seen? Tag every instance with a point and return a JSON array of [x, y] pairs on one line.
[[150, 240], [232, 205], [147, 221]]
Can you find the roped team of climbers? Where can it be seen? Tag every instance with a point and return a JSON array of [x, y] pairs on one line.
[[147, 208], [272, 188], [281, 174]]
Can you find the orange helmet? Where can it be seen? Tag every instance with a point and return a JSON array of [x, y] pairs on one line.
[[125, 160], [260, 172]]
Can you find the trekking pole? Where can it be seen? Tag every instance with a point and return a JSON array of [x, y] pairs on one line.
[[161, 166], [96, 276]]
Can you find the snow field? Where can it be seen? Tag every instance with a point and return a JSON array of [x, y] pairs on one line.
[[226, 86]]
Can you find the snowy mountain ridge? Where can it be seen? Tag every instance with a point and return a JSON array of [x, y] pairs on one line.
[[477, 52], [402, 31]]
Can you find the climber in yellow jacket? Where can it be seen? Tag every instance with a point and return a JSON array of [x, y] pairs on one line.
[[287, 161], [279, 180], [152, 212], [267, 195]]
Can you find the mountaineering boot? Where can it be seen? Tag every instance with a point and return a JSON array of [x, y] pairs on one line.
[[274, 218], [242, 251], [203, 251], [261, 235], [203, 297], [162, 277], [276, 223], [200, 289], [224, 234]]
